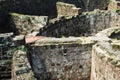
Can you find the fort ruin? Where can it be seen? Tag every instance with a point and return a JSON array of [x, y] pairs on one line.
[[76, 43]]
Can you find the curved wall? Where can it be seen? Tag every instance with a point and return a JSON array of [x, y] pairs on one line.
[[105, 62], [105, 57]]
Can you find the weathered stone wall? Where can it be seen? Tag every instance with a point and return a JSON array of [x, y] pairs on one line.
[[65, 9], [39, 7], [114, 5], [6, 53], [26, 24], [89, 5], [105, 56], [81, 25], [14, 64], [62, 59], [21, 69], [105, 62]]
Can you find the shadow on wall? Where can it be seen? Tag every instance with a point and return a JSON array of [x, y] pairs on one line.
[[40, 70], [12, 26]]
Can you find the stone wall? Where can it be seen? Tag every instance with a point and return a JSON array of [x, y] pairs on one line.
[[26, 24], [105, 62], [61, 59], [14, 64], [6, 52], [114, 5], [105, 57], [70, 58], [89, 5], [38, 8], [21, 69], [81, 25], [48, 7], [65, 9]]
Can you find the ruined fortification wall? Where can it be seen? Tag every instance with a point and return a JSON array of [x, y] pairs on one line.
[[26, 24], [71, 58], [81, 25], [5, 56], [38, 7], [105, 64], [88, 5], [114, 5], [65, 9], [64, 59], [48, 7], [105, 57], [21, 69]]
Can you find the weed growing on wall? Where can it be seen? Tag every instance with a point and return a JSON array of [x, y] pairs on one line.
[[22, 48]]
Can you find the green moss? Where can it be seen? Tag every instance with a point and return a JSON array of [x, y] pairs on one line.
[[22, 48], [28, 19], [117, 10], [32, 77]]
